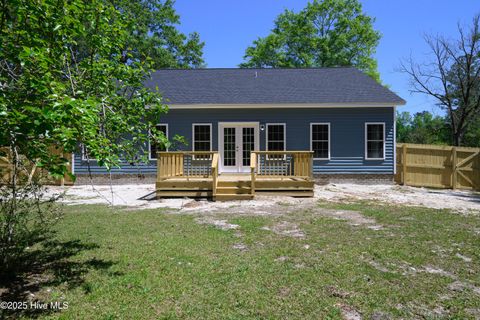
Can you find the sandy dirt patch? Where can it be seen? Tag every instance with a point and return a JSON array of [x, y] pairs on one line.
[[460, 201], [140, 197], [285, 228]]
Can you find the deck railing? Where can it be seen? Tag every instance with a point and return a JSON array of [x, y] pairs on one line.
[[214, 174], [189, 164], [283, 163]]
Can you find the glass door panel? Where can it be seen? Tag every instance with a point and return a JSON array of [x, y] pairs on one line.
[[229, 147]]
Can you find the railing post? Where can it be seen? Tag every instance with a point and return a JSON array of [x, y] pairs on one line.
[[214, 174], [253, 164], [311, 164]]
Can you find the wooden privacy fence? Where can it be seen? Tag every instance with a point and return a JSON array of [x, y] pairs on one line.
[[28, 171], [438, 166]]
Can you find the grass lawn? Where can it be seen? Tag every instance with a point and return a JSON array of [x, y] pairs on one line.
[[122, 264]]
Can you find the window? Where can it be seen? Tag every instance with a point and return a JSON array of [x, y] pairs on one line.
[[375, 141], [155, 147], [275, 138], [320, 140], [202, 137]]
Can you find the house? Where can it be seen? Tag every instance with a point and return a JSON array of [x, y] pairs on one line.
[[339, 119]]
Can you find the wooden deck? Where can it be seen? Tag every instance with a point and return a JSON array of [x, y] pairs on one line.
[[195, 174]]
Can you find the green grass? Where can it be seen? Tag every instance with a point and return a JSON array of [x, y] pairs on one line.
[[151, 264]]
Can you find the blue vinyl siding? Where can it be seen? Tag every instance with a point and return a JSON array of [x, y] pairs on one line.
[[347, 135]]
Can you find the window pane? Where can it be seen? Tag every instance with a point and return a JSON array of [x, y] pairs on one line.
[[375, 149], [320, 149], [375, 131], [229, 143], [320, 132], [201, 138], [275, 146], [248, 138], [202, 146], [320, 140], [275, 132]]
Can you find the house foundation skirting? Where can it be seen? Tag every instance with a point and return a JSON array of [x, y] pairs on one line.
[[104, 179], [322, 179], [365, 179]]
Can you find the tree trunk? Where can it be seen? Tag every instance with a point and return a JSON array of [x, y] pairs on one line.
[[457, 138]]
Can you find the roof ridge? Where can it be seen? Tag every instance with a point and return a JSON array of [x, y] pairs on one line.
[[236, 68]]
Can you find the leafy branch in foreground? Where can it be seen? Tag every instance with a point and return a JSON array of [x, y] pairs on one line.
[[67, 80]]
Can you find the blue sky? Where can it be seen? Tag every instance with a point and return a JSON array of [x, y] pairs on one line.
[[228, 27]]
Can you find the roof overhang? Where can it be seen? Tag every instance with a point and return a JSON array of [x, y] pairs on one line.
[[283, 105]]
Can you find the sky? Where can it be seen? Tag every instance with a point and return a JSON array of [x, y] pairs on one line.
[[228, 27]]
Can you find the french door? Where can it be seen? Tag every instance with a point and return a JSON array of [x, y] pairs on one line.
[[236, 141]]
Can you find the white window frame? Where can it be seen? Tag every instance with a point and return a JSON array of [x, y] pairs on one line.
[[150, 142], [193, 134], [329, 138], [284, 136], [366, 140]]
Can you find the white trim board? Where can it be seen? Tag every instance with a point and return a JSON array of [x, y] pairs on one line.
[[366, 140], [329, 138], [394, 140], [281, 105]]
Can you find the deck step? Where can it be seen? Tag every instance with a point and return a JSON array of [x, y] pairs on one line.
[[228, 197], [227, 183], [181, 194], [233, 190]]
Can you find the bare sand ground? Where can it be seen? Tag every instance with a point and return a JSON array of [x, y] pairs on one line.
[[139, 196]]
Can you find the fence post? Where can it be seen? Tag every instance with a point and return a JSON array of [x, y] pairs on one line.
[[404, 164], [454, 168]]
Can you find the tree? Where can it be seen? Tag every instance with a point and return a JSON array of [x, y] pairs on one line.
[[154, 35], [422, 128], [452, 77], [403, 126], [326, 33], [472, 133], [64, 82]]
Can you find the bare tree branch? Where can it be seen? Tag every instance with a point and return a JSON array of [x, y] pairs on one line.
[[451, 76]]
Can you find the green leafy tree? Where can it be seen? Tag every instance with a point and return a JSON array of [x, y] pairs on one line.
[[471, 137], [422, 128], [403, 126], [64, 82], [326, 33], [154, 35]]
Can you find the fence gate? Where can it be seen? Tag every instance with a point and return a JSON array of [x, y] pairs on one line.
[[466, 168], [438, 166]]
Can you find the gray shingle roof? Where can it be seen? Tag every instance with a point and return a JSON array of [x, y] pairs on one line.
[[270, 86]]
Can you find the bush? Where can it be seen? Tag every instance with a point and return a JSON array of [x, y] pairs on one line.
[[27, 214]]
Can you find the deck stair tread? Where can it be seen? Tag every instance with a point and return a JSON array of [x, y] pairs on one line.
[[227, 197]]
